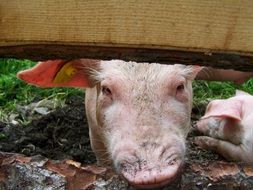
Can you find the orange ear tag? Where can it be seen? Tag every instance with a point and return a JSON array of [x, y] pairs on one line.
[[65, 74]]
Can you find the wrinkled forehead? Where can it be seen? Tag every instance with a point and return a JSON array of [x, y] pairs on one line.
[[139, 72]]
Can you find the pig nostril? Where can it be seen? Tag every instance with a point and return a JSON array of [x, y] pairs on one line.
[[172, 159], [162, 153]]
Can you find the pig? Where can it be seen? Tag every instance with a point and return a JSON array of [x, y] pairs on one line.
[[228, 126], [209, 73], [138, 113]]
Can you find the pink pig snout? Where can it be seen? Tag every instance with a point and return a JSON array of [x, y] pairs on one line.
[[143, 176], [149, 165]]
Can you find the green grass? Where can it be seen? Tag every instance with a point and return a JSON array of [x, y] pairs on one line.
[[14, 91], [208, 90]]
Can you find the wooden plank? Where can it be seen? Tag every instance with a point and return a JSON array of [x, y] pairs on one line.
[[45, 52], [37, 172], [216, 33], [165, 24]]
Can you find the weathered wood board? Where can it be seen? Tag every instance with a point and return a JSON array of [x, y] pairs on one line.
[[205, 27], [37, 172]]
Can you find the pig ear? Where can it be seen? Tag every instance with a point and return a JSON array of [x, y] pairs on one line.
[[61, 73], [240, 93], [229, 108], [191, 71]]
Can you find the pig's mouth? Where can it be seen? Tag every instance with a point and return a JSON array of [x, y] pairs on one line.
[[142, 175]]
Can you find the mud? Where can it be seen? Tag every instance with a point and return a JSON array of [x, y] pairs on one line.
[[64, 134]]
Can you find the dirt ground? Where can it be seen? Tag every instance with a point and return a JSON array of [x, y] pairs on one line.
[[63, 134]]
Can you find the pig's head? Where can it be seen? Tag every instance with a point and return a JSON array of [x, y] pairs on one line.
[[141, 112]]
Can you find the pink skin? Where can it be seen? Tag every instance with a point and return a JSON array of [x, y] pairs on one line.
[[152, 178], [208, 73], [43, 74], [141, 130], [138, 114], [228, 127]]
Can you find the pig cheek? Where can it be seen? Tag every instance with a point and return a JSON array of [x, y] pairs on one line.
[[182, 97], [177, 117], [116, 132], [108, 117], [103, 105], [184, 102]]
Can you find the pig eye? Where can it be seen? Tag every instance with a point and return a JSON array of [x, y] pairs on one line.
[[106, 91], [180, 88], [181, 94]]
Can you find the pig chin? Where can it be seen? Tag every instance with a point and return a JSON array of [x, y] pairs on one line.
[[150, 169]]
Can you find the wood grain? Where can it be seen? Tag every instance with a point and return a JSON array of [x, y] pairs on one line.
[[215, 25], [37, 172], [46, 51]]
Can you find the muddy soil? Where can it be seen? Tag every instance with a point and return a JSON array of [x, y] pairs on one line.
[[64, 134]]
